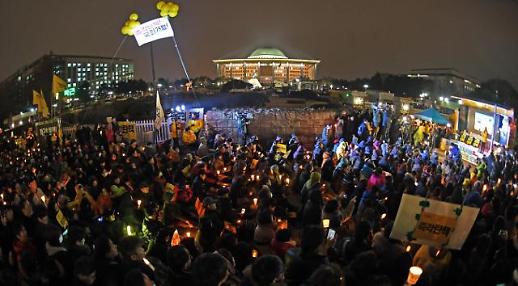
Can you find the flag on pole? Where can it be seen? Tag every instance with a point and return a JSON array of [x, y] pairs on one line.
[[58, 85], [159, 112], [39, 100]]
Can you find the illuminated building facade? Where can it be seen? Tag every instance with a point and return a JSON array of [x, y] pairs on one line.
[[447, 81], [73, 69], [268, 66]]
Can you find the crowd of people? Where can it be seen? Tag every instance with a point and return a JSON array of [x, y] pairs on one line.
[[93, 211]]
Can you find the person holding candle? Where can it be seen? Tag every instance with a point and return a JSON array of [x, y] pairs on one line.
[[210, 225]]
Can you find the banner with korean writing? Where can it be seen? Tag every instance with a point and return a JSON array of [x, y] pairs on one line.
[[153, 30], [431, 222], [128, 130]]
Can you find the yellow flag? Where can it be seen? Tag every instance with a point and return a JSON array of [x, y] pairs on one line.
[[58, 85], [39, 100]]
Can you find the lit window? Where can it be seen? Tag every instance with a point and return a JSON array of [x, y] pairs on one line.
[[69, 80], [69, 65], [88, 65]]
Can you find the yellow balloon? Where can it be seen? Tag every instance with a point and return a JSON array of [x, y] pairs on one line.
[[133, 24], [130, 33], [133, 16], [174, 8], [125, 30], [159, 5], [173, 14], [170, 6], [127, 23], [163, 13]]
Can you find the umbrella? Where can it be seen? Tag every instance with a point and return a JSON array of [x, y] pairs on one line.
[[431, 114]]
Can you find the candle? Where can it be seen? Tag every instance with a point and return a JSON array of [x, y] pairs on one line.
[[253, 177], [42, 199], [238, 221], [175, 239], [217, 172], [139, 202], [255, 201], [188, 234], [225, 169], [408, 248], [243, 211], [287, 181], [414, 274], [258, 178], [254, 253], [383, 216], [325, 222]]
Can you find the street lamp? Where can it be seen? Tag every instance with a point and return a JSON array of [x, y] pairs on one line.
[[365, 86]]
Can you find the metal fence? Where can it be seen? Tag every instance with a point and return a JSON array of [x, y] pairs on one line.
[[145, 130]]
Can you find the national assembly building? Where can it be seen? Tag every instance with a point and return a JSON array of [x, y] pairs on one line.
[[268, 66]]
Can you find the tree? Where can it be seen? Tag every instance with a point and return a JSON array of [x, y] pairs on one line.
[[235, 84], [104, 89], [83, 91]]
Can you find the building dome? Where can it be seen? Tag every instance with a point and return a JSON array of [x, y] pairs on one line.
[[267, 54]]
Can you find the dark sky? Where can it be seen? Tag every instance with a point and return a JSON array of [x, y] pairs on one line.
[[353, 38]]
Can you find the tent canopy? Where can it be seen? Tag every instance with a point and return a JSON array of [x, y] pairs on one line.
[[431, 114]]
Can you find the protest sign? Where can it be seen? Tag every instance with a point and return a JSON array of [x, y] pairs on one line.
[[432, 222], [128, 130]]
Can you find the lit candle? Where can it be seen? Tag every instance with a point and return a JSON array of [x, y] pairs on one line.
[[254, 253], [414, 274], [383, 216], [253, 177], [188, 234], [225, 169], [243, 211], [408, 248], [258, 178], [325, 222], [139, 202], [217, 172], [287, 181], [238, 221], [255, 201], [42, 199]]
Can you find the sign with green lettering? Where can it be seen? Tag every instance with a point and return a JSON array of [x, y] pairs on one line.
[[70, 92]]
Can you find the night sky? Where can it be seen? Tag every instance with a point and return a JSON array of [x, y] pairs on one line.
[[353, 38]]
